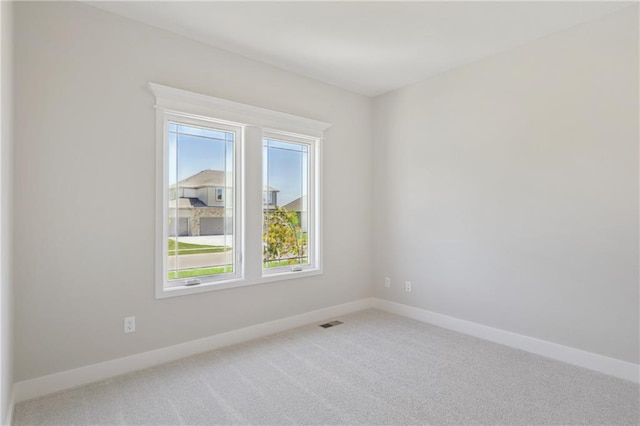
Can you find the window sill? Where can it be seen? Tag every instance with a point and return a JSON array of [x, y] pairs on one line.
[[234, 283], [289, 275]]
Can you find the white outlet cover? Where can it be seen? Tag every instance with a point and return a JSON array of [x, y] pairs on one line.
[[407, 285], [129, 324], [387, 282]]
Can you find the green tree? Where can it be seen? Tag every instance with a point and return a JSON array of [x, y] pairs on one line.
[[282, 236]]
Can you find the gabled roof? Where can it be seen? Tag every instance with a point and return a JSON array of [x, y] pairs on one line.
[[185, 203], [205, 178], [296, 205], [209, 178]]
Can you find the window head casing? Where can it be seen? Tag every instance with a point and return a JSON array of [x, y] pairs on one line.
[[220, 223]]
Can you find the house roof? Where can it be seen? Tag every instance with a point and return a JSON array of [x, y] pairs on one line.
[[208, 178], [296, 205], [186, 203], [205, 178]]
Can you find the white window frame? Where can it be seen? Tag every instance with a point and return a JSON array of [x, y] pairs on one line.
[[255, 123], [182, 285], [313, 228]]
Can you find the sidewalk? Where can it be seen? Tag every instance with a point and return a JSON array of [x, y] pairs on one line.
[[190, 261], [208, 240]]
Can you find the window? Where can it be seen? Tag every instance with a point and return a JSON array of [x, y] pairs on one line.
[[223, 168], [200, 240], [288, 231]]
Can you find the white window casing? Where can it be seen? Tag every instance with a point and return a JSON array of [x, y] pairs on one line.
[[250, 124]]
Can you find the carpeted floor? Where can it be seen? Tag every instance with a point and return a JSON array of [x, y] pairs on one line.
[[376, 368]]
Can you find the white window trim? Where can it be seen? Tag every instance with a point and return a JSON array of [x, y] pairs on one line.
[[313, 232], [196, 104], [255, 122], [237, 243]]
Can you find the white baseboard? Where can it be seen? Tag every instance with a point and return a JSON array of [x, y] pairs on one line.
[[611, 366], [44, 385]]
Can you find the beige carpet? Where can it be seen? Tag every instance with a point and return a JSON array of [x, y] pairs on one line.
[[376, 368]]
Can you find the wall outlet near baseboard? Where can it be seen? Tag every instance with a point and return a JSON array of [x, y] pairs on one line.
[[129, 324], [407, 285], [387, 282]]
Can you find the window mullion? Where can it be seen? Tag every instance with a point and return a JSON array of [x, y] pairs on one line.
[[253, 203]]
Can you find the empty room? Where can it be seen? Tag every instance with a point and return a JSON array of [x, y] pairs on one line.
[[333, 213]]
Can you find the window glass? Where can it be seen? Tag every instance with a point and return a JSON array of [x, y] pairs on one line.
[[285, 233], [200, 202]]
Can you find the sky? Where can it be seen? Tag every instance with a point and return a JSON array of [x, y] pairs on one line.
[[284, 167], [196, 149]]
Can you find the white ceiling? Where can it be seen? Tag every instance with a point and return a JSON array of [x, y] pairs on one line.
[[366, 47]]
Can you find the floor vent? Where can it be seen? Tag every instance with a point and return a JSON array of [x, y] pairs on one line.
[[330, 324]]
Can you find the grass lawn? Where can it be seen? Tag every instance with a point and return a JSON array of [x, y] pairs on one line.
[[186, 248], [289, 262], [199, 272]]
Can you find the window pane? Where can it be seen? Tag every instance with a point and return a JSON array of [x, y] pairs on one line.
[[285, 175], [201, 189]]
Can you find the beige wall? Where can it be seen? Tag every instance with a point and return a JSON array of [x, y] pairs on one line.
[[6, 193], [511, 190], [85, 120]]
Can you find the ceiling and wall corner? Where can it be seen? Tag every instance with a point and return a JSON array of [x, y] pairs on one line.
[[366, 47]]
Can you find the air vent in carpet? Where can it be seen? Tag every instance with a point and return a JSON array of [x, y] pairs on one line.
[[330, 324]]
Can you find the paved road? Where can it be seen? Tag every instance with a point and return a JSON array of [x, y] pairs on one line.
[[200, 260], [208, 240]]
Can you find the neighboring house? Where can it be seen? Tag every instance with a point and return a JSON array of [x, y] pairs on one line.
[[198, 202], [203, 203], [269, 198], [299, 205]]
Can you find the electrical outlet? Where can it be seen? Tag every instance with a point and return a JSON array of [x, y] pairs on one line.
[[407, 285], [387, 282], [129, 324]]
